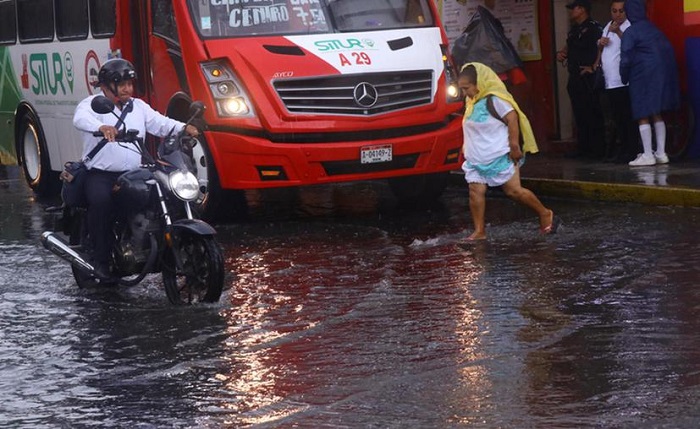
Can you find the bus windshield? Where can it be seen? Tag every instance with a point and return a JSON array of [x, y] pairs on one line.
[[237, 18]]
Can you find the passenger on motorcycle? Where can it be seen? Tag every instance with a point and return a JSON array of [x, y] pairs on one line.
[[116, 80]]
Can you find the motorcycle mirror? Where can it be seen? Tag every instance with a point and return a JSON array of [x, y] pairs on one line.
[[197, 109], [102, 105]]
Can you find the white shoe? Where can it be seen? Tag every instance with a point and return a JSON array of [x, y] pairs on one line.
[[661, 158], [643, 160]]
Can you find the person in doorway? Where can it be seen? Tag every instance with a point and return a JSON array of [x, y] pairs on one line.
[[648, 64], [492, 126], [623, 147], [116, 80], [578, 55]]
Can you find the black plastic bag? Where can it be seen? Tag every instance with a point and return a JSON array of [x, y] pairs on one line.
[[484, 41], [73, 189]]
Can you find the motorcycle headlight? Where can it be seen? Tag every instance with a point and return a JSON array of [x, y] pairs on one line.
[[185, 185]]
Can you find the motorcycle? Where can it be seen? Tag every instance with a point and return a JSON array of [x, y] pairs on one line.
[[158, 233]]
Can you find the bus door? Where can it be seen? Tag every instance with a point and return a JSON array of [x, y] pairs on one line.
[[164, 59], [137, 51]]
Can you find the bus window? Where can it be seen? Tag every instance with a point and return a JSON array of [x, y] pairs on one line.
[[35, 20], [71, 19], [8, 28], [272, 17], [261, 18], [164, 19], [362, 15], [103, 19]]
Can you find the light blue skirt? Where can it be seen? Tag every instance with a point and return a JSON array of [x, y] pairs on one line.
[[495, 173]]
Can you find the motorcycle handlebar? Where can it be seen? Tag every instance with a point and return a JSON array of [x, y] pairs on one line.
[[129, 136]]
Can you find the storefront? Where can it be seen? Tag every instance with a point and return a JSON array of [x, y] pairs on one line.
[[537, 29]]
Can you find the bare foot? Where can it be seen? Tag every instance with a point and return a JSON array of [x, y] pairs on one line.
[[547, 220], [476, 236]]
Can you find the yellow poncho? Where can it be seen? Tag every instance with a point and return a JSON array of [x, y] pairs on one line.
[[489, 83]]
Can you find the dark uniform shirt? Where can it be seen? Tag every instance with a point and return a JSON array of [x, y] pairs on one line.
[[582, 45]]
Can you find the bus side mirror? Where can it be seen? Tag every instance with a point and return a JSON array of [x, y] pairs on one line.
[[102, 105]]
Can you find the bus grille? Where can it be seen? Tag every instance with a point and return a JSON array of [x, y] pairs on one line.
[[363, 95]]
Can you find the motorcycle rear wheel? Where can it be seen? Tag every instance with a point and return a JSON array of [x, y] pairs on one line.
[[203, 277]]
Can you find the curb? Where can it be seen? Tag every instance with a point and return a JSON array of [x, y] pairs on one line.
[[652, 195]]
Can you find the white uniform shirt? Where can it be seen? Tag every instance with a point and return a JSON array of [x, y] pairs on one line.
[[116, 156], [610, 57], [485, 137]]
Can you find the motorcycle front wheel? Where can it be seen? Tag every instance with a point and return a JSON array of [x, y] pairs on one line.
[[202, 277]]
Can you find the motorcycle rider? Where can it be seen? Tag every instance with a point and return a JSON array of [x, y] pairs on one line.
[[116, 80]]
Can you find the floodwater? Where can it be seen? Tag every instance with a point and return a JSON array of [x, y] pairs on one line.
[[346, 310]]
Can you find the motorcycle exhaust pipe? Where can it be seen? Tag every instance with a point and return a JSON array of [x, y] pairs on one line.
[[59, 247]]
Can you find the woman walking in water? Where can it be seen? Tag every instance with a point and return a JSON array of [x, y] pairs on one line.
[[493, 156]]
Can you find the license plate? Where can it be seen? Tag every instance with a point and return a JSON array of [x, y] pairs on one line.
[[374, 154]]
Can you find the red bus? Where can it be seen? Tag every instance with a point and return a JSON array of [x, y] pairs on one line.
[[299, 92]]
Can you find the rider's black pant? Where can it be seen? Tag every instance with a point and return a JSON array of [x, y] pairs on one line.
[[102, 212]]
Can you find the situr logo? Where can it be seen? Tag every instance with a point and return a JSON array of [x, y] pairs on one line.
[[51, 73], [343, 44]]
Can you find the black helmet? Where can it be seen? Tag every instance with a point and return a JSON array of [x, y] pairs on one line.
[[114, 71]]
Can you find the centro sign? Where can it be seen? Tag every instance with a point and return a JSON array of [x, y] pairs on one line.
[[51, 74]]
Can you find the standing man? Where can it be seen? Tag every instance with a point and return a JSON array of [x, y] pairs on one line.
[[623, 147], [579, 55]]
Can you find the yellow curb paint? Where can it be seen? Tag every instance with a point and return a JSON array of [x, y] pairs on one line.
[[652, 195]]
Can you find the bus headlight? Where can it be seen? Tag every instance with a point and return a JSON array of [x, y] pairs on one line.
[[234, 106], [229, 95], [184, 185], [453, 91]]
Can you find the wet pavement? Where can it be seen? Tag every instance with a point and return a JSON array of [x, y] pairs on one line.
[[345, 309], [676, 183]]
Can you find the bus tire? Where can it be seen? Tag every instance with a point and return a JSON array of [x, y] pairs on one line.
[[214, 202], [209, 187], [419, 188], [33, 157]]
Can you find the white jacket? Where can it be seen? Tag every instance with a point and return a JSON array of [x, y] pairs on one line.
[[115, 156]]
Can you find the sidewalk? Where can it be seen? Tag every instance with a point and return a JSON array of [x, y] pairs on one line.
[[676, 183]]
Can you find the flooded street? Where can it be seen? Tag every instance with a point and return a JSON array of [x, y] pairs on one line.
[[346, 310]]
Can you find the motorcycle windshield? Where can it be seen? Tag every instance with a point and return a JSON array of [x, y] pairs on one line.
[[175, 160], [216, 20]]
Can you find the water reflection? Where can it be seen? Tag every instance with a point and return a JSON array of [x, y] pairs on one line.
[[656, 175], [346, 310]]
